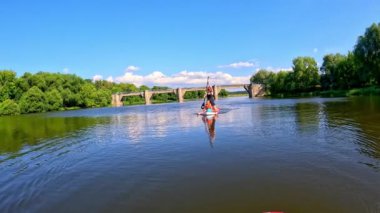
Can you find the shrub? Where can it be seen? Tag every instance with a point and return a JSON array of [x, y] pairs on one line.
[[9, 107]]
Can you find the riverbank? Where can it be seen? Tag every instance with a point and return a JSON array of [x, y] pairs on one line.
[[367, 91]]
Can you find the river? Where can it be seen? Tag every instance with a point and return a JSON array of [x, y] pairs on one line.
[[292, 155]]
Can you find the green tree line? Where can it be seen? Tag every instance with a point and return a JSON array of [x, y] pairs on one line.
[[359, 68], [44, 91]]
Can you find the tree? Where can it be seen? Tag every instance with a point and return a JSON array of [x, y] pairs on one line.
[[103, 98], [223, 93], [70, 99], [329, 70], [279, 83], [306, 75], [8, 87], [143, 88], [9, 107], [125, 87], [164, 97], [7, 76], [34, 100], [263, 77], [367, 50], [21, 87], [347, 74], [54, 100], [190, 95], [88, 95]]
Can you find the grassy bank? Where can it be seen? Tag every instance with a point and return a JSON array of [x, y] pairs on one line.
[[367, 91], [352, 92]]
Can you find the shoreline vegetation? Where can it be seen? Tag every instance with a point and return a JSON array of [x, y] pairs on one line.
[[357, 73], [366, 91], [354, 74]]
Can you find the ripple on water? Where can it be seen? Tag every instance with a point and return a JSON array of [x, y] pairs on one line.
[[160, 158]]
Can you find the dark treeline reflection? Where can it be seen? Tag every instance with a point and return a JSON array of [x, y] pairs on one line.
[[363, 113], [18, 131], [354, 119], [349, 120], [307, 116]]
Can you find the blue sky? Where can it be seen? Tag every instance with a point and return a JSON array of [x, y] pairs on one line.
[[175, 42]]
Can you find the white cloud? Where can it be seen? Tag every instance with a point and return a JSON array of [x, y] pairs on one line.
[[109, 79], [315, 50], [97, 78], [182, 79], [238, 65], [276, 69], [66, 70], [132, 68]]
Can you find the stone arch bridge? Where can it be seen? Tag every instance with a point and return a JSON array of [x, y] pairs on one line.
[[253, 90]]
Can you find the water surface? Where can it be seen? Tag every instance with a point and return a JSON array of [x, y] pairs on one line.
[[293, 155]]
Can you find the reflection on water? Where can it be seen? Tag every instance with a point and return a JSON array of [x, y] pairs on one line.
[[359, 115], [294, 155], [209, 122], [18, 131]]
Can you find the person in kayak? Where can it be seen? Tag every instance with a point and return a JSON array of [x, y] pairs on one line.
[[211, 98]]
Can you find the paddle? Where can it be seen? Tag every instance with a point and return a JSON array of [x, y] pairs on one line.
[[204, 99]]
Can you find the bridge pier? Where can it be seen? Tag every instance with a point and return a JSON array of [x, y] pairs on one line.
[[147, 96], [216, 92], [180, 93], [258, 90], [255, 90], [116, 100]]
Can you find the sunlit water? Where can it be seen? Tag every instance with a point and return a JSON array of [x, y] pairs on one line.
[[293, 155]]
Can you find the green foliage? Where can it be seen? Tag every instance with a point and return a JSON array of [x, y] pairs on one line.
[[194, 94], [9, 107], [102, 84], [124, 87], [8, 87], [165, 97], [103, 98], [223, 93], [364, 91], [306, 75], [333, 93], [87, 95], [341, 72], [45, 91], [329, 70], [34, 100], [367, 51], [143, 88], [54, 100], [70, 99], [7, 76], [264, 77], [281, 82], [133, 100]]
